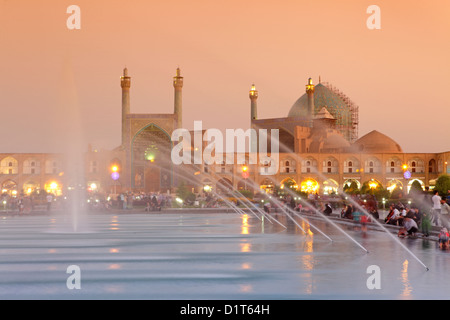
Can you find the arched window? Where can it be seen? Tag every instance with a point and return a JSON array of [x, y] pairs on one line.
[[287, 166], [394, 165], [330, 165], [51, 167], [9, 165], [309, 165], [351, 165], [31, 166]]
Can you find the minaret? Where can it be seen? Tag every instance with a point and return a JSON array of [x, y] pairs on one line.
[[253, 94], [178, 85], [310, 93], [125, 83]]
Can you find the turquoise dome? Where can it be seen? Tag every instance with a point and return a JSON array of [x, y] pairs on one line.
[[323, 97]]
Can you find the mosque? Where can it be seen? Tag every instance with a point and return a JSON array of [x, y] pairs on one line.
[[320, 152]]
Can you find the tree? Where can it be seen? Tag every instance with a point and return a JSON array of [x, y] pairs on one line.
[[352, 188], [247, 193], [397, 193], [416, 188], [184, 193], [443, 184]]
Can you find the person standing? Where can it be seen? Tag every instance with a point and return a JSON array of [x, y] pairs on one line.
[[436, 209], [445, 213], [49, 201]]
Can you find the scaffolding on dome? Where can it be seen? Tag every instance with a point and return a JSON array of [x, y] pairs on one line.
[[347, 126]]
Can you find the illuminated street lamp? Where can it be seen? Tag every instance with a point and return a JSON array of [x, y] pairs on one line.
[[245, 175], [115, 175]]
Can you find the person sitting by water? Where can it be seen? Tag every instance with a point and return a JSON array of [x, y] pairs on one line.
[[392, 216], [402, 215], [328, 210], [347, 212], [409, 228], [444, 238]]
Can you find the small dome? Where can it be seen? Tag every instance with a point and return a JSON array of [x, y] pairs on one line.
[[376, 142], [335, 141]]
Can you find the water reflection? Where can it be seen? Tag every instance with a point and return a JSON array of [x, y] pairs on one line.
[[114, 266], [244, 228], [308, 260], [407, 290], [245, 288], [246, 266], [245, 247], [114, 225]]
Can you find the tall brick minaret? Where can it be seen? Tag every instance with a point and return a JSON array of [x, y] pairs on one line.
[[125, 83]]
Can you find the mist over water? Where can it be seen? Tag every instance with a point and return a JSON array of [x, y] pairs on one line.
[[73, 149]]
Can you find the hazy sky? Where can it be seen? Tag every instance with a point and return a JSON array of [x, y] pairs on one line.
[[399, 75]]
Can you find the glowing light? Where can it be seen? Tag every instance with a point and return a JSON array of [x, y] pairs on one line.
[[179, 200], [405, 167], [93, 186], [244, 228], [391, 188], [115, 176], [207, 188], [309, 186], [407, 174], [53, 186], [373, 185], [114, 168]]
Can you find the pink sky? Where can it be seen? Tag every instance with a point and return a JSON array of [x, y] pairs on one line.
[[399, 75]]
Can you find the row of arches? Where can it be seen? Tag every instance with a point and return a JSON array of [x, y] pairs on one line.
[[11, 188], [370, 165], [10, 165], [310, 185]]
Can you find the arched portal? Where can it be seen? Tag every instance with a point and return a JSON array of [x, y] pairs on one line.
[[9, 187], [330, 186], [394, 184], [267, 185], [351, 186], [288, 183], [30, 187], [309, 186], [151, 165], [422, 184], [224, 185]]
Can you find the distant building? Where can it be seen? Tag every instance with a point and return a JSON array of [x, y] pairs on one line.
[[319, 152]]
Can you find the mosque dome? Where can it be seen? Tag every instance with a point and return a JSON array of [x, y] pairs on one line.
[[323, 97], [376, 142], [335, 142]]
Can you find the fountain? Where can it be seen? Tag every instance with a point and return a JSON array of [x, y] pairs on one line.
[[73, 150]]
